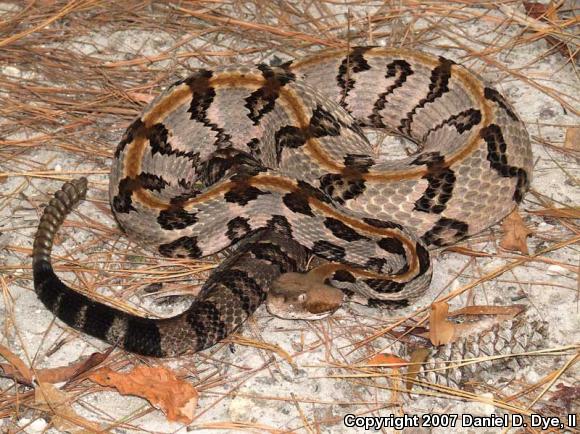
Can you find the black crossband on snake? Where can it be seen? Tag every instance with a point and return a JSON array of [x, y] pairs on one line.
[[275, 160]]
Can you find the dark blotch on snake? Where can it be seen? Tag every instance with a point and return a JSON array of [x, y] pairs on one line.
[[181, 248], [204, 318], [441, 180], [176, 217], [385, 286], [445, 231], [439, 85], [328, 250], [202, 95], [352, 64], [495, 96], [323, 124], [360, 162], [343, 276], [423, 257], [382, 224], [392, 245], [274, 255], [341, 188], [238, 228], [279, 223], [342, 231], [134, 130], [497, 157], [297, 202], [401, 69], [243, 193], [462, 121]]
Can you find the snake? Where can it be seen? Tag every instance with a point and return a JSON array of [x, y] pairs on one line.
[[274, 162]]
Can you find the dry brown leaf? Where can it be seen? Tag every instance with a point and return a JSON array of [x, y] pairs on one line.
[[515, 233], [23, 375], [158, 385], [489, 316], [441, 331], [572, 140], [17, 366], [80, 370], [508, 311], [387, 360], [540, 10], [394, 363], [418, 357], [544, 12], [548, 15], [57, 402], [73, 371], [567, 395]]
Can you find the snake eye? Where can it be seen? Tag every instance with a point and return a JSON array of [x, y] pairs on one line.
[[302, 297]]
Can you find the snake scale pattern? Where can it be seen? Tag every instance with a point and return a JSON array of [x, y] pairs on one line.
[[274, 160]]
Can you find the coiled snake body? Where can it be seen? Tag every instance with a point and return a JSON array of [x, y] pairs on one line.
[[275, 158]]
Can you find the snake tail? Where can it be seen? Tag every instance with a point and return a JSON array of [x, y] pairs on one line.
[[210, 318]]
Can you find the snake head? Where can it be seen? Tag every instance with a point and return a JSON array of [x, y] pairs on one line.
[[301, 296]]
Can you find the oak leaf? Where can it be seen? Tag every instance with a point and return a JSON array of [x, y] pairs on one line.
[[538, 10], [387, 360], [418, 357], [515, 233], [572, 140], [441, 331], [158, 385]]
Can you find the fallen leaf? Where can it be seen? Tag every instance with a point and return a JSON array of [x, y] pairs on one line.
[[54, 401], [572, 140], [79, 370], [475, 320], [515, 233], [548, 16], [544, 12], [394, 363], [567, 395], [158, 385], [507, 311], [535, 9], [441, 331], [18, 366], [387, 360], [418, 357], [21, 373]]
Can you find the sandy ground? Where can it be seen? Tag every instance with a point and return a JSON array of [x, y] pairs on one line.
[[258, 388]]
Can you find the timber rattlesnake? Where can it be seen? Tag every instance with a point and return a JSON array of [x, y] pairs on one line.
[[276, 157]]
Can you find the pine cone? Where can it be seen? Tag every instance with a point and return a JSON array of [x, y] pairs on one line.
[[516, 336]]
